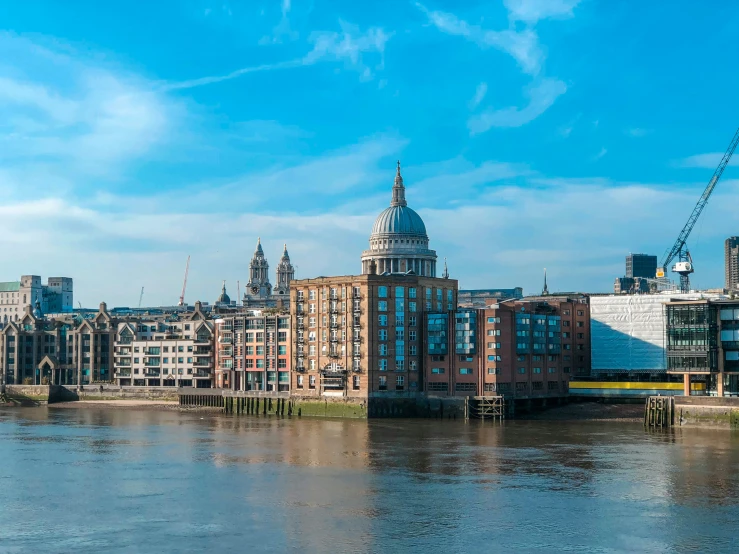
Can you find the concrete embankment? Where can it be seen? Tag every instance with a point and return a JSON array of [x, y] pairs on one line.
[[707, 411], [34, 395], [265, 403], [692, 411]]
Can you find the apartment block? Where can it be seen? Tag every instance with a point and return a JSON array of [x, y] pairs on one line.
[[253, 351], [523, 349], [61, 351], [168, 350], [165, 352], [361, 336]]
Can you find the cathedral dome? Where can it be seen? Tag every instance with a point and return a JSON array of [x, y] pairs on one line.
[[223, 298], [399, 243], [398, 220]]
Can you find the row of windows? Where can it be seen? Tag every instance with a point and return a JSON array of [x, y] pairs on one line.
[[154, 349], [399, 364], [441, 370], [522, 370], [399, 320], [165, 371], [164, 360], [412, 350]]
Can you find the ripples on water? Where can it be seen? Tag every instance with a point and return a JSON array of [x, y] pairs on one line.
[[89, 480]]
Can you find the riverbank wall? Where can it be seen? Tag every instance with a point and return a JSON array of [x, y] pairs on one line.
[[34, 395], [707, 412], [30, 395], [692, 411], [275, 403]]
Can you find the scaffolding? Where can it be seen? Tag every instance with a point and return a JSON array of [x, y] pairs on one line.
[[484, 407]]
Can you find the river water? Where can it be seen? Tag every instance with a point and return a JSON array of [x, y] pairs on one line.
[[106, 480]]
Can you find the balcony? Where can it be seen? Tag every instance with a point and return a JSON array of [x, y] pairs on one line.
[[123, 373], [203, 363], [152, 373]]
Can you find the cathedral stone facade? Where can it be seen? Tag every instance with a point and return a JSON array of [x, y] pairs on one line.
[[259, 292], [399, 243]]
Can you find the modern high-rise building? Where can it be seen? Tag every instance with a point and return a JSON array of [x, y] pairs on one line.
[[731, 263], [641, 265]]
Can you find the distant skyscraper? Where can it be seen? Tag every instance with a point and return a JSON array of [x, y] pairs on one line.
[[641, 265], [731, 262]]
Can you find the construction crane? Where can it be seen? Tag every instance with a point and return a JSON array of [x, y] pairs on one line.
[[684, 265], [141, 296], [184, 284]]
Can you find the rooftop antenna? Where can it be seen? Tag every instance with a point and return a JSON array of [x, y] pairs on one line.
[[238, 291], [141, 296]]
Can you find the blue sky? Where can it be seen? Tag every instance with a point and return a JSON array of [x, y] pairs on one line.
[[533, 133]]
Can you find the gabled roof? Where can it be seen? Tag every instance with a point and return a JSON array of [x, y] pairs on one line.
[[127, 326], [51, 360], [10, 326]]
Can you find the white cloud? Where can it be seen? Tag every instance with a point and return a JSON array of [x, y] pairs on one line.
[[283, 29], [531, 11], [522, 46], [503, 256], [91, 121], [637, 132], [350, 46], [480, 92], [706, 161], [541, 97], [603, 151]]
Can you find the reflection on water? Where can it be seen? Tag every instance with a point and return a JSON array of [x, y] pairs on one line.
[[88, 479]]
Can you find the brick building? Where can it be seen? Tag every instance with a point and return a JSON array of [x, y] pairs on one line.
[[361, 336], [253, 351], [523, 349]]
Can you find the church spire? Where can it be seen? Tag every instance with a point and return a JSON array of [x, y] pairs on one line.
[[259, 246], [445, 275], [398, 190], [545, 291]]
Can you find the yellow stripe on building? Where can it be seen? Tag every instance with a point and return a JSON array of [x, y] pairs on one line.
[[631, 385], [644, 385]]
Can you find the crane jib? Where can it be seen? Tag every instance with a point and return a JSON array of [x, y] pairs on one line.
[[680, 248]]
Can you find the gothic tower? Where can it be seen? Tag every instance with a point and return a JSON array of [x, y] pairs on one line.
[[285, 274], [258, 287]]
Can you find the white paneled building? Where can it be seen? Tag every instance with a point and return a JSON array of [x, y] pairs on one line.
[[156, 352]]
